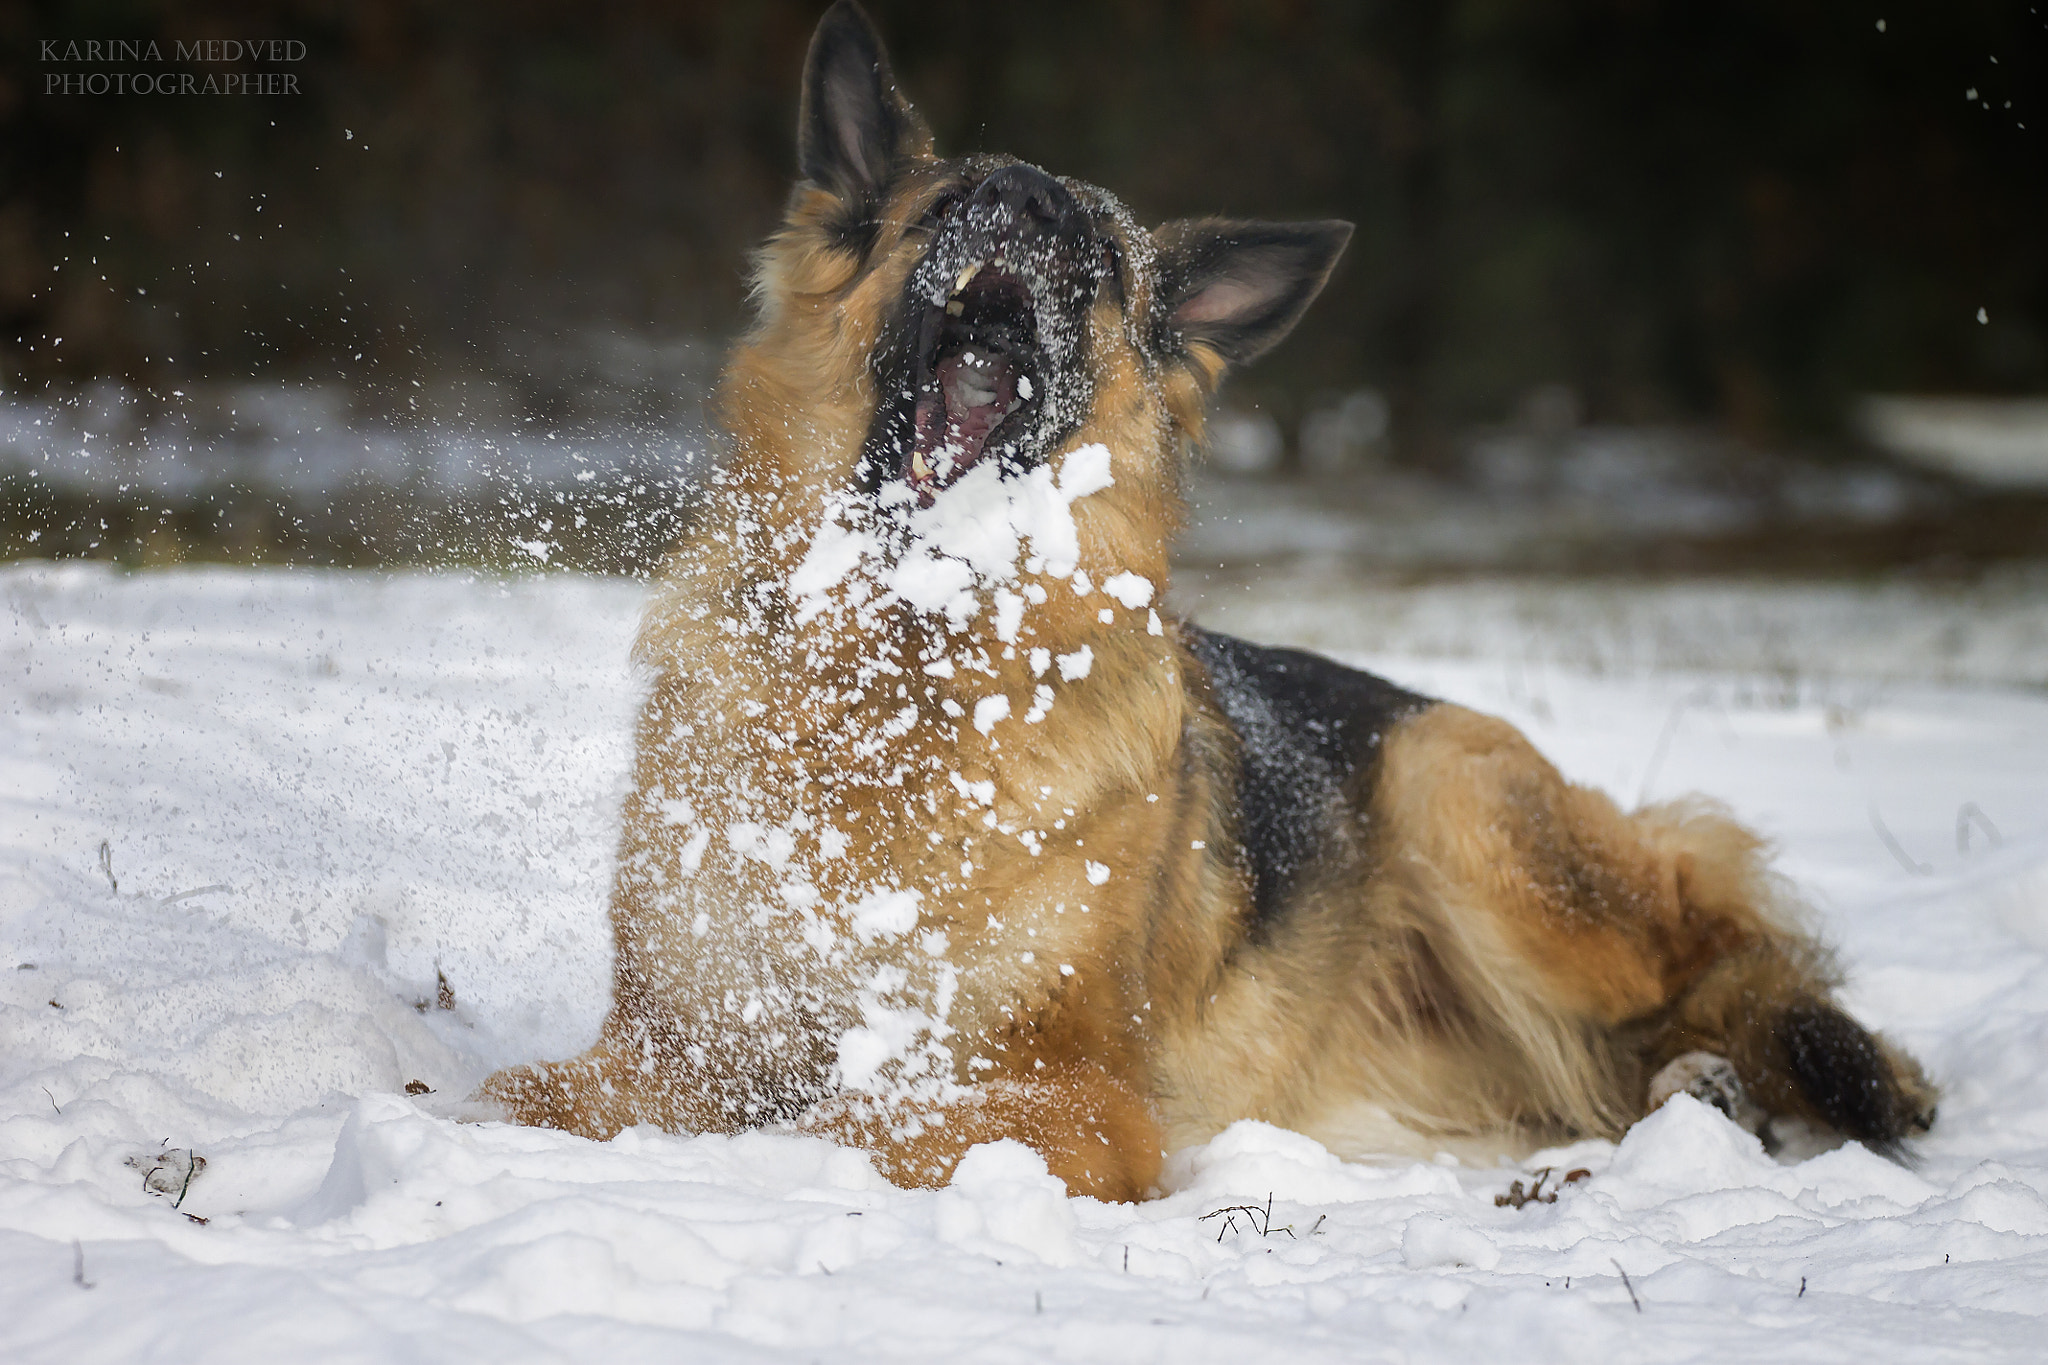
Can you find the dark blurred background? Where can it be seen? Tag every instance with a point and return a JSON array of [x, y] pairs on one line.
[[1636, 282]]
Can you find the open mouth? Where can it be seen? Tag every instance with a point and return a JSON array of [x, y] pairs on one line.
[[978, 381], [986, 361]]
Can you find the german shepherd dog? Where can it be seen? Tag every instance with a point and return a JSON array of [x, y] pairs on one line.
[[944, 830]]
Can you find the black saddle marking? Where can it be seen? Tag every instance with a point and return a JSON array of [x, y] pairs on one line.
[[1306, 727]]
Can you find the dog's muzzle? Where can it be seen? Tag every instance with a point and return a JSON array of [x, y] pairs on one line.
[[989, 357]]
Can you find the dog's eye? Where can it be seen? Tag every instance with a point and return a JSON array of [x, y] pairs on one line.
[[1112, 266], [939, 208]]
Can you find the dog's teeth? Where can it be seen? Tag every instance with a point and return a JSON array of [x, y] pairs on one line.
[[967, 274], [918, 468], [954, 308]]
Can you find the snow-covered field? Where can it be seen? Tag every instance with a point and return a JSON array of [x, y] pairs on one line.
[[245, 819]]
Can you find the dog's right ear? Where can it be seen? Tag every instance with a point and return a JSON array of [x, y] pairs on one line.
[[854, 128], [1229, 290]]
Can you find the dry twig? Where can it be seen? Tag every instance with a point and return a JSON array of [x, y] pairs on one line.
[[1516, 1196], [1626, 1285], [1258, 1219]]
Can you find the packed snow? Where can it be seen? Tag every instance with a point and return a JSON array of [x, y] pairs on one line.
[[278, 847], [971, 540]]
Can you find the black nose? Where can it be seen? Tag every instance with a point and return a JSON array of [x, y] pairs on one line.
[[1033, 200]]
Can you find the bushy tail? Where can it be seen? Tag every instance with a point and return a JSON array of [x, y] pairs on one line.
[[1766, 1004], [1860, 1085], [1795, 1053]]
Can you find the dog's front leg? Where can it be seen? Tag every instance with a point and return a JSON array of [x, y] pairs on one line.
[[1096, 1132], [635, 1074]]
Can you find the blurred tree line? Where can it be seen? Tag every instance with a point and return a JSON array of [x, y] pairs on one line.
[[1741, 212]]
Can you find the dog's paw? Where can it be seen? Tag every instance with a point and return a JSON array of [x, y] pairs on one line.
[[1711, 1079]]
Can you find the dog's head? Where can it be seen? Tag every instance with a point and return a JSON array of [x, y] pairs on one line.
[[943, 314]]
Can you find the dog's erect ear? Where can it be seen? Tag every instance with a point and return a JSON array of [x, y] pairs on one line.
[[853, 127], [1239, 287]]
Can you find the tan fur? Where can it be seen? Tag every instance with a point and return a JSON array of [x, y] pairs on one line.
[[1494, 953]]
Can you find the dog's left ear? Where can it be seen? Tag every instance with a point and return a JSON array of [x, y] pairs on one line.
[[854, 127], [1238, 287]]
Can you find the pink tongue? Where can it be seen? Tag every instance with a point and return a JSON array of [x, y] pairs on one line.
[[946, 430]]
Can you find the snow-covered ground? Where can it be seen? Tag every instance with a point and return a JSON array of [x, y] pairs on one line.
[[245, 819]]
